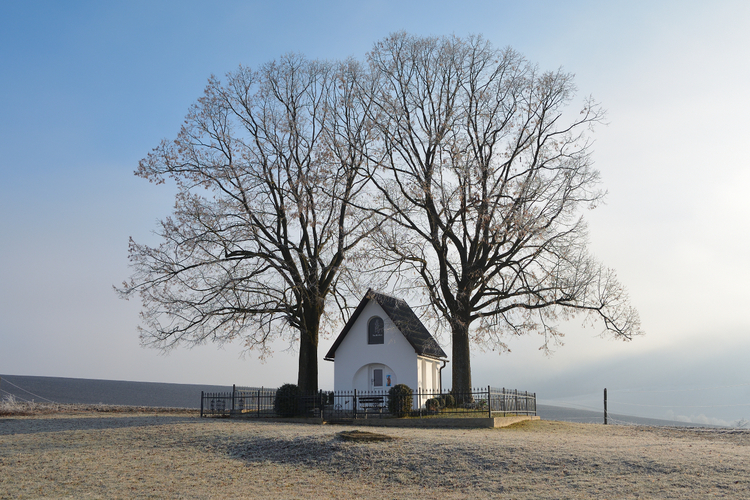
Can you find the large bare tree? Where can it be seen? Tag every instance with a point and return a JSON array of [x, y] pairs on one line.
[[482, 172], [267, 166]]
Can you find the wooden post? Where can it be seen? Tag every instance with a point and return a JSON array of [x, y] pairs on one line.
[[605, 406]]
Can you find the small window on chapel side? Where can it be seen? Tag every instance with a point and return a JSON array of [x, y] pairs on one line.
[[375, 331]]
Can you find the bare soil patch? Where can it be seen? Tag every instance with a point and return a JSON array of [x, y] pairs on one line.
[[364, 436]]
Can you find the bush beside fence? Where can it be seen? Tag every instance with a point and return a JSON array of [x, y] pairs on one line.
[[249, 402]]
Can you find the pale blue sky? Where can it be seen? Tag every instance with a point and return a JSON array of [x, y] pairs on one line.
[[88, 88]]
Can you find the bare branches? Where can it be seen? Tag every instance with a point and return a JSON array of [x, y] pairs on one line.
[[481, 182], [268, 167], [445, 164]]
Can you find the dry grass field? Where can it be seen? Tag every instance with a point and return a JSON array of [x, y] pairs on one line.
[[89, 453]]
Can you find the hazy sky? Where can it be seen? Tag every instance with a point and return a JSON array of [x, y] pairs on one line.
[[88, 88]]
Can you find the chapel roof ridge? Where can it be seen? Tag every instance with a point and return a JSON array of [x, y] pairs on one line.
[[384, 294], [404, 318]]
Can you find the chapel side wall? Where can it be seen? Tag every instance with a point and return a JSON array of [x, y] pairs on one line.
[[429, 375], [354, 352]]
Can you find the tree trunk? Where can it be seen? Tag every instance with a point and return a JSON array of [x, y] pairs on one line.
[[461, 369], [307, 376]]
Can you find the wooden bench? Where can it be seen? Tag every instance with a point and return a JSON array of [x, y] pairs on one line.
[[372, 403]]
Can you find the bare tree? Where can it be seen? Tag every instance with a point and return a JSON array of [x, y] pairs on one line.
[[267, 166], [482, 177]]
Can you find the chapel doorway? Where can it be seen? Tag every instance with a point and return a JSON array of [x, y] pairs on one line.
[[381, 378]]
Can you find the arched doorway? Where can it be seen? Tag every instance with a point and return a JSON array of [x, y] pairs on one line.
[[374, 377]]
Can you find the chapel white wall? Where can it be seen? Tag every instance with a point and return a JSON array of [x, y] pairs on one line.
[[354, 352]]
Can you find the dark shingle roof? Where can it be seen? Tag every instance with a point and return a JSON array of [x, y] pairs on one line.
[[405, 320]]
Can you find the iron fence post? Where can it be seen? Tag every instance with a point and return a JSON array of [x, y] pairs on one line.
[[503, 404], [489, 402], [419, 400], [201, 404]]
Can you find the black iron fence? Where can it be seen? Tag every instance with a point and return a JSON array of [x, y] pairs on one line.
[[512, 401], [260, 402]]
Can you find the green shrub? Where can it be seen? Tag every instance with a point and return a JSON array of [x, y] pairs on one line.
[[462, 399], [399, 400], [448, 401], [287, 401], [433, 405]]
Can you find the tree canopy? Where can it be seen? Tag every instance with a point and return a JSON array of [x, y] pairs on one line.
[[267, 166], [444, 164], [482, 175]]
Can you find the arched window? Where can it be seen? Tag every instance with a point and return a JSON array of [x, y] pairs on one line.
[[375, 331]]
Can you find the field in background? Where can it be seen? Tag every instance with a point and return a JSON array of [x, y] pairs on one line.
[[59, 390], [104, 392]]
